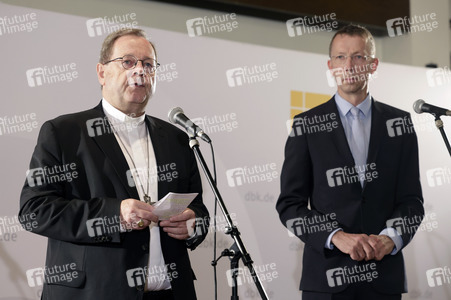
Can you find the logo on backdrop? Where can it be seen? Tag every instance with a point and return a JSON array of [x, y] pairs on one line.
[[18, 123], [438, 176], [217, 123], [416, 23], [248, 175], [252, 74], [438, 76], [307, 25], [53, 74], [107, 25], [18, 23], [210, 25], [438, 276]]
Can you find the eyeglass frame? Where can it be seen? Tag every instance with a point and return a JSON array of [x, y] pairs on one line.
[[366, 57], [154, 68]]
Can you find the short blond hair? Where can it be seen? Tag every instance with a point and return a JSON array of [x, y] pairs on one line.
[[356, 30]]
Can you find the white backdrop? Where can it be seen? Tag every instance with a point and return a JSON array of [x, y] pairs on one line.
[[246, 121]]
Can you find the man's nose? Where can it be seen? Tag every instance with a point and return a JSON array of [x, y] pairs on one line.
[[139, 68], [348, 63]]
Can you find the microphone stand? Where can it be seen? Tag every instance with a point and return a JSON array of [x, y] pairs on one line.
[[234, 262], [237, 251], [439, 124]]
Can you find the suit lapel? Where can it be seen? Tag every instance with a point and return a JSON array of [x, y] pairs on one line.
[[339, 138], [110, 147], [377, 130]]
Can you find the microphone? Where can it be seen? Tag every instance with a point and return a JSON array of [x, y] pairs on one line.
[[420, 106], [176, 116]]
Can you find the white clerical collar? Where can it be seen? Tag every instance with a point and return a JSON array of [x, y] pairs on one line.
[[119, 116]]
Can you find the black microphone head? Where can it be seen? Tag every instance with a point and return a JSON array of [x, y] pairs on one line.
[[173, 112], [417, 106]]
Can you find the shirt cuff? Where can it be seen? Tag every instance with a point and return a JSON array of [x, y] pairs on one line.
[[192, 231], [329, 244], [192, 236], [395, 237]]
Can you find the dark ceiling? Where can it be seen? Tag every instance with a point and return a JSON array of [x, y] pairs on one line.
[[370, 13]]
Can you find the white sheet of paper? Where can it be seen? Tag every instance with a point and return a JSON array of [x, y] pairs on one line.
[[172, 204]]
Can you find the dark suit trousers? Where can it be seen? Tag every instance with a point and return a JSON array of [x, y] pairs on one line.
[[159, 295], [362, 291]]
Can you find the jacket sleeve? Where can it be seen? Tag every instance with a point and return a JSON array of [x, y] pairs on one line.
[[296, 190], [44, 199], [408, 212]]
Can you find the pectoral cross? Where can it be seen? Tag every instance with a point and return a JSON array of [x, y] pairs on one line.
[[148, 200]]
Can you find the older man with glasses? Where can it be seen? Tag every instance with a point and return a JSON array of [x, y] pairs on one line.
[[101, 223]]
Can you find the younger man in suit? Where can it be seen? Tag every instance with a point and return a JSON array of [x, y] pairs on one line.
[[352, 194]]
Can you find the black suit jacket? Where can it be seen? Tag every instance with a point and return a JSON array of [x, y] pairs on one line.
[[62, 207], [317, 190]]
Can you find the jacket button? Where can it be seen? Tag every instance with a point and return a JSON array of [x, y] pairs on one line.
[[144, 247]]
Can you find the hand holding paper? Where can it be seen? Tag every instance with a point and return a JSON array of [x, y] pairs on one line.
[[177, 226], [172, 204], [173, 214]]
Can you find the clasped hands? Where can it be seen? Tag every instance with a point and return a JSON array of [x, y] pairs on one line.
[[139, 215], [363, 247]]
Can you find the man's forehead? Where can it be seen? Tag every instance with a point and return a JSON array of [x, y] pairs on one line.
[[343, 41], [346, 38], [132, 44]]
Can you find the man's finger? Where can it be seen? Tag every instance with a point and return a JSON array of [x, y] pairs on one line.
[[167, 223], [357, 255], [184, 216], [147, 215], [369, 251]]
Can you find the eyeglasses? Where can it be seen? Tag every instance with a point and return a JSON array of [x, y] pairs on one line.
[[129, 62], [356, 59]]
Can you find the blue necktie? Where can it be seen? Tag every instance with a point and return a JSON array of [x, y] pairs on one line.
[[357, 141]]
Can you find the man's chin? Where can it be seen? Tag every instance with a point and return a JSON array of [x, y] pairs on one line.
[[135, 105], [138, 97], [140, 100], [352, 87]]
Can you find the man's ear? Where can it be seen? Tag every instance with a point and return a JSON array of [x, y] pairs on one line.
[[374, 65], [101, 73]]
